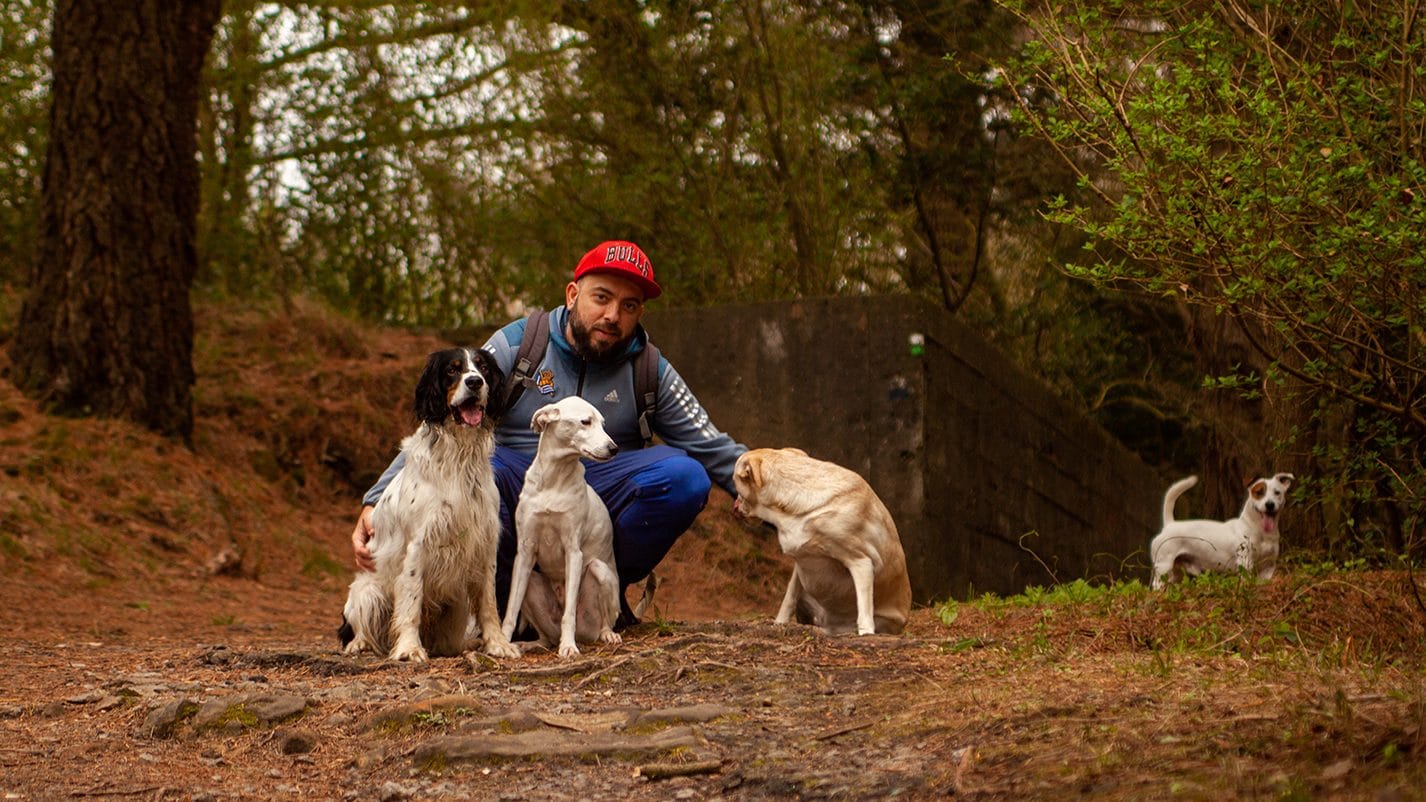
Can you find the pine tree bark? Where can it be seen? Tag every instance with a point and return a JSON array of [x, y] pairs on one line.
[[106, 327]]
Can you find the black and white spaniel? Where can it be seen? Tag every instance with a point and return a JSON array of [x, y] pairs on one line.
[[436, 528]]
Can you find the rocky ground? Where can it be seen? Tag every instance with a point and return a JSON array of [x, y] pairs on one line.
[[1081, 699], [697, 711]]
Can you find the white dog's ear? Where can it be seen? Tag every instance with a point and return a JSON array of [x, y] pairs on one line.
[[543, 417], [1285, 479], [1258, 488], [750, 469]]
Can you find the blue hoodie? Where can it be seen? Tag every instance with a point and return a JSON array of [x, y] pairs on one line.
[[679, 420]]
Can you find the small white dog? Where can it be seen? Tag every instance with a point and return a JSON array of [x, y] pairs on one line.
[[561, 523], [849, 570], [436, 527], [1249, 542]]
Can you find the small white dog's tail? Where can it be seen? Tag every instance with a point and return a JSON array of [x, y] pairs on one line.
[[1175, 490]]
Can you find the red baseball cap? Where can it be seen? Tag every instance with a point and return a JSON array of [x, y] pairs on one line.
[[621, 259]]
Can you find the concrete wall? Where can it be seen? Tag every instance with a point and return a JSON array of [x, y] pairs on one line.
[[993, 480]]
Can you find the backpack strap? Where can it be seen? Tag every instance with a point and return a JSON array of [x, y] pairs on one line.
[[646, 389], [531, 351]]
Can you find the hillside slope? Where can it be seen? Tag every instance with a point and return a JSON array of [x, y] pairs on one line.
[[297, 412]]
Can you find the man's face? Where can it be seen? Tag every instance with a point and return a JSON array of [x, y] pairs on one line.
[[604, 310]]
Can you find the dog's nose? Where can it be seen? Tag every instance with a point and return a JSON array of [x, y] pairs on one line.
[[474, 381], [613, 449], [1271, 506]]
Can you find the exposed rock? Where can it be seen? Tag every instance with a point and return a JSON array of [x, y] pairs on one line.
[[516, 719], [219, 655], [150, 685], [237, 713], [163, 720], [296, 742], [426, 711], [600, 721], [691, 714], [392, 792], [441, 752], [112, 701]]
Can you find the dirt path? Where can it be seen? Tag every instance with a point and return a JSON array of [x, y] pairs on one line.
[[984, 709]]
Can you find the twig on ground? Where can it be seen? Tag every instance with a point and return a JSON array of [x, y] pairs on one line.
[[1254, 717], [827, 736], [605, 670], [115, 791], [663, 771], [677, 673], [686, 640], [561, 670]]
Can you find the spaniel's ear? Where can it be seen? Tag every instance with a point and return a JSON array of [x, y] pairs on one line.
[[494, 376], [544, 416], [433, 402], [750, 469]]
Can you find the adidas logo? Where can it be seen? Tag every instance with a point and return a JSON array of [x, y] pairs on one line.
[[613, 397]]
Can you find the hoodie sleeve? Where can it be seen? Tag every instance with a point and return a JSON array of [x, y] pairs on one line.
[[681, 422], [374, 494]]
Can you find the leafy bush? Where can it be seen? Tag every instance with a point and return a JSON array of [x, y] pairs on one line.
[[1265, 162]]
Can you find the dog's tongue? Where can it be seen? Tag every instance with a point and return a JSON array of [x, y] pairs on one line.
[[471, 414], [1269, 523]]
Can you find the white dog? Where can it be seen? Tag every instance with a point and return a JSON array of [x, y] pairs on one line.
[[561, 523], [1248, 542], [849, 573], [436, 528]]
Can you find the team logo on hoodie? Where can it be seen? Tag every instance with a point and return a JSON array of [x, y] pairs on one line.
[[545, 382]]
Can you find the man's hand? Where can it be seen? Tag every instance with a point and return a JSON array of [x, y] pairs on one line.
[[360, 535]]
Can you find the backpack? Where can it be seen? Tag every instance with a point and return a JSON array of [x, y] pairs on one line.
[[532, 349]]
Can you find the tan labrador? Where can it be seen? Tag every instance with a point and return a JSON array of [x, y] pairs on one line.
[[850, 572]]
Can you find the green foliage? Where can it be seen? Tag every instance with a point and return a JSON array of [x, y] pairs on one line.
[[1263, 161], [1078, 592], [434, 164], [24, 98], [444, 164], [439, 164]]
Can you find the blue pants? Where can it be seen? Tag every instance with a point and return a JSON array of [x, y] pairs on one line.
[[653, 495]]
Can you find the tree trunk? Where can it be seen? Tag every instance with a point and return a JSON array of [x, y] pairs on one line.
[[106, 328]]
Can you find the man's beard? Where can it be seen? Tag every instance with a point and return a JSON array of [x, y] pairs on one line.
[[585, 347]]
